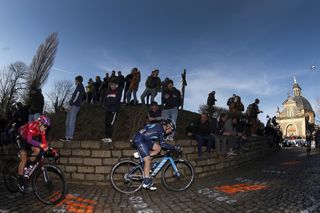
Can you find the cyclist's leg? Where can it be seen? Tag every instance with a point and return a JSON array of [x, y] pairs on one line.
[[35, 153], [155, 149], [23, 161]]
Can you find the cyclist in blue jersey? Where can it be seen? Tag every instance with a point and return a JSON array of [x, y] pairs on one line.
[[147, 146]]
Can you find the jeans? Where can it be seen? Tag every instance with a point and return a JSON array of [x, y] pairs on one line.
[[33, 117], [147, 92], [71, 121], [220, 144], [203, 140], [128, 95], [172, 114]]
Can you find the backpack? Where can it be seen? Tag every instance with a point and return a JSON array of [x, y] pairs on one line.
[[251, 111], [230, 101]]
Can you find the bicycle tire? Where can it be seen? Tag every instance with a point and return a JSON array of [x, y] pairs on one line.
[[48, 194], [124, 182], [10, 175], [176, 183]]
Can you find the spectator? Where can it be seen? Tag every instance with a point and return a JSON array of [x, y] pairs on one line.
[[202, 134], [127, 81], [153, 85], [221, 141], [164, 83], [309, 130], [104, 86], [89, 90], [96, 89], [20, 115], [211, 101], [232, 128], [134, 86], [36, 104], [230, 101], [113, 78], [235, 104], [121, 82], [171, 100], [111, 104], [73, 109], [252, 113], [154, 114]]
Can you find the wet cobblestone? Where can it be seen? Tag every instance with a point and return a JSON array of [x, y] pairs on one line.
[[289, 182]]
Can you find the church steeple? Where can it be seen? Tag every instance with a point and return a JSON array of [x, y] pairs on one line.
[[296, 87]]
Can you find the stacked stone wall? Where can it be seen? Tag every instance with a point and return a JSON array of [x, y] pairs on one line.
[[90, 162]]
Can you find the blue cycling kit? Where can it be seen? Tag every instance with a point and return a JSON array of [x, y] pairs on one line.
[[146, 137]]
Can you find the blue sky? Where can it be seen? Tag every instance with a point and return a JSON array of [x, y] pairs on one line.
[[249, 47]]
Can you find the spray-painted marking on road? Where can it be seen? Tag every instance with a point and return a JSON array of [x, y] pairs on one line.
[[140, 205], [75, 204], [211, 193], [237, 188]]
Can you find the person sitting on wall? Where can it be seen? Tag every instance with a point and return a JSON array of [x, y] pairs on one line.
[[201, 132], [154, 114]]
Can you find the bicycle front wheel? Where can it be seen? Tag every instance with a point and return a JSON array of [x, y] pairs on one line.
[[126, 176], [10, 175], [180, 180], [49, 185]]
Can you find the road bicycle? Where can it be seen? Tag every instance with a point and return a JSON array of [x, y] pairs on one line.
[[177, 175], [48, 182]]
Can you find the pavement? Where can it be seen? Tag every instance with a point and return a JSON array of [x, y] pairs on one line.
[[286, 181]]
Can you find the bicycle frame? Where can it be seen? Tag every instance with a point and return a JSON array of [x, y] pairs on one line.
[[161, 165]]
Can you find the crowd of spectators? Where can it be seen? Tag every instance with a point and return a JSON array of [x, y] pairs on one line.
[[222, 135]]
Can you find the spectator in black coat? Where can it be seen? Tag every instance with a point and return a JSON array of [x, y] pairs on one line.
[[36, 103], [97, 89], [171, 100], [211, 101], [111, 104], [127, 81], [121, 82], [202, 133]]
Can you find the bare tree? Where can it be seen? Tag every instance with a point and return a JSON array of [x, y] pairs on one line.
[[11, 82], [62, 90], [41, 64]]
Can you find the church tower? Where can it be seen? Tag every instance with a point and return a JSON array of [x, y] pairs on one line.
[[292, 119]]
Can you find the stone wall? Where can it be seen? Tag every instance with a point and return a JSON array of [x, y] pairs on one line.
[[90, 162]]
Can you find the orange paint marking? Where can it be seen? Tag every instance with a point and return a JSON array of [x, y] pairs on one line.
[[77, 204], [243, 187], [289, 163]]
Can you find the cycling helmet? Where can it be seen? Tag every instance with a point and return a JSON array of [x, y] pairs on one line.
[[44, 120], [169, 122]]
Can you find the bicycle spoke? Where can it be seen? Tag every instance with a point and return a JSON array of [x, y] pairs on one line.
[[126, 176]]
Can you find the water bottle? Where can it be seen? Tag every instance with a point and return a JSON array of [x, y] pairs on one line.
[[27, 170]]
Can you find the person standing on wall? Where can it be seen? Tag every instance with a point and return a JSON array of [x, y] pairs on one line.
[[73, 109]]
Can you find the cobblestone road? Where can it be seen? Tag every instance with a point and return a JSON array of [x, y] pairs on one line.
[[287, 181]]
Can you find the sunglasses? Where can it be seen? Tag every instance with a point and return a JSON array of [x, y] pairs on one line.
[[45, 126]]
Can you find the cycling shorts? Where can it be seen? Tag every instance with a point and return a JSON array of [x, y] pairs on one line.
[[142, 145], [23, 144]]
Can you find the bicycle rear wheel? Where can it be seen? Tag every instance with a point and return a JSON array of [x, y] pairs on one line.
[[126, 176], [178, 181], [10, 175], [49, 186]]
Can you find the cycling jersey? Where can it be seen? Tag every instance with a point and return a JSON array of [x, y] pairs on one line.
[[31, 130], [146, 137]]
